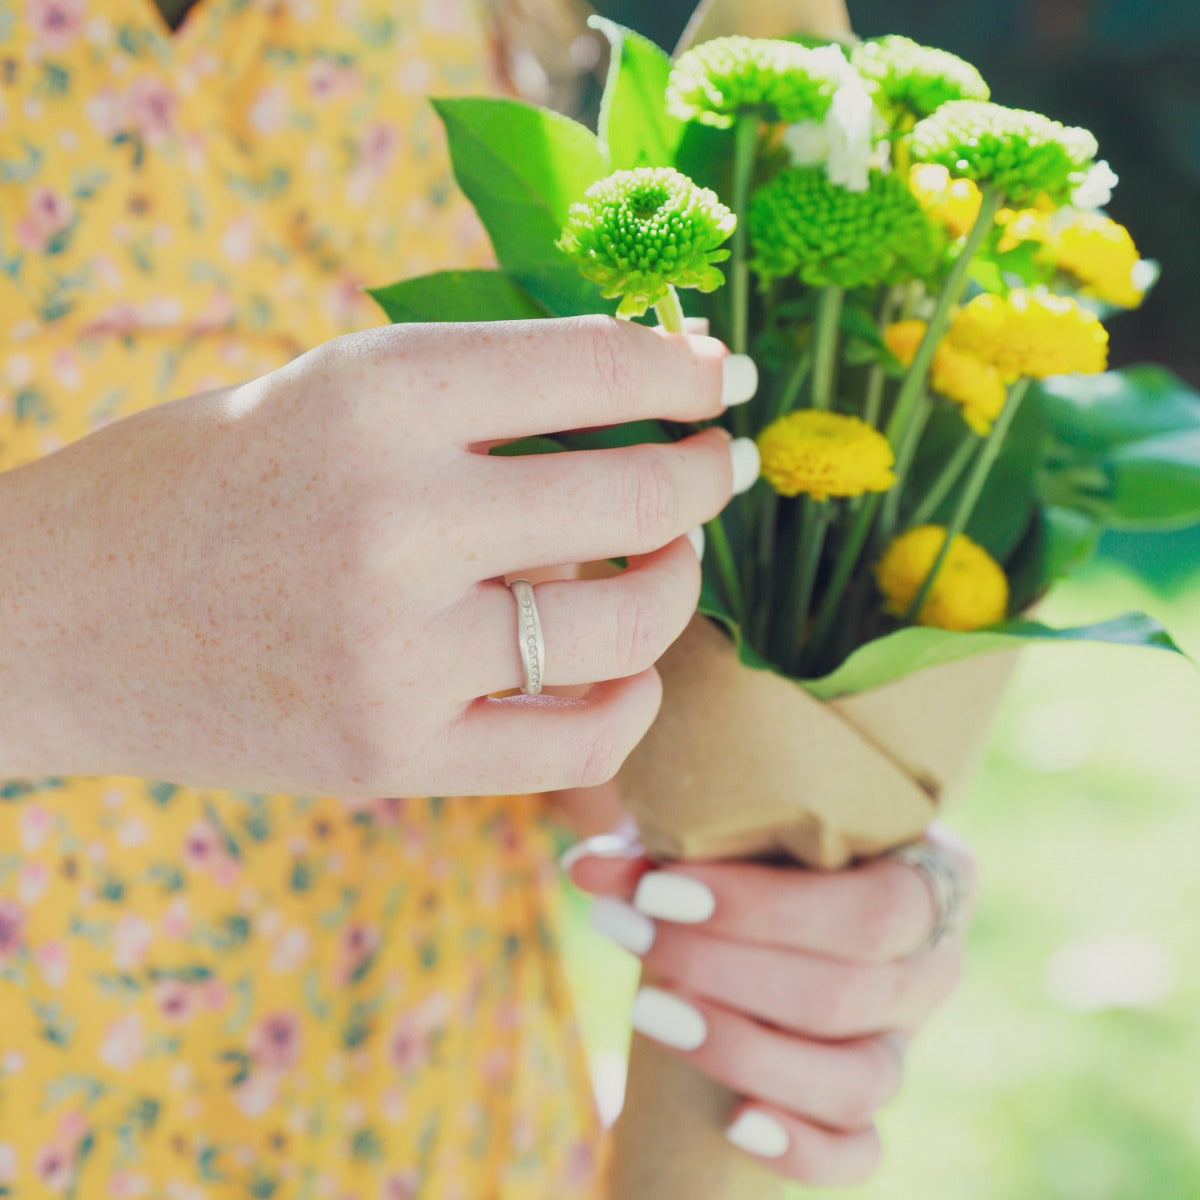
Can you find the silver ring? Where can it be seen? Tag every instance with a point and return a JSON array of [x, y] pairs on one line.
[[946, 886], [529, 636]]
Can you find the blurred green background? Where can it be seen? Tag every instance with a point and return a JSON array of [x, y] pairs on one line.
[[1067, 1066]]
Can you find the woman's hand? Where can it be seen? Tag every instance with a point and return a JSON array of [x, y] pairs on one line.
[[796, 989], [298, 584]]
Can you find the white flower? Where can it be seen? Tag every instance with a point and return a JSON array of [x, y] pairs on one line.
[[845, 140], [1094, 190]]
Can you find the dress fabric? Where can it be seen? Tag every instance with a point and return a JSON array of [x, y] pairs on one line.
[[215, 995]]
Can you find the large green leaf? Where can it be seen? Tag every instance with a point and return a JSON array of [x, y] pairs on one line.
[[908, 650], [635, 128], [1100, 412], [1058, 541], [522, 167], [1125, 448], [457, 296]]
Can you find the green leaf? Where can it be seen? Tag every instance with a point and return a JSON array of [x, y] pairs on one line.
[[1058, 541], [635, 128], [522, 167], [1125, 447], [910, 650], [457, 296], [525, 446], [1101, 412], [1155, 482]]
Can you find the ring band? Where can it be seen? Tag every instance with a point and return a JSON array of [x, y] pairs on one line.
[[936, 867], [529, 636]]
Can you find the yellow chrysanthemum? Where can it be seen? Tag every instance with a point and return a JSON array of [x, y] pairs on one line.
[[1022, 225], [953, 202], [970, 590], [903, 338], [825, 454], [1030, 334], [1101, 255], [976, 386]]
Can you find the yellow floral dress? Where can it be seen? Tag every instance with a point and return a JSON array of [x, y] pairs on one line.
[[214, 995]]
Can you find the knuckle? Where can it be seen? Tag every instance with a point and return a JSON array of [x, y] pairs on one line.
[[639, 631], [649, 501], [869, 1082], [605, 358], [830, 1010], [601, 759], [894, 919]]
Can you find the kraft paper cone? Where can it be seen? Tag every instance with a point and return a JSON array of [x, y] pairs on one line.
[[744, 763]]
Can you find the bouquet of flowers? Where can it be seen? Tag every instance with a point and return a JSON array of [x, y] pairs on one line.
[[922, 276]]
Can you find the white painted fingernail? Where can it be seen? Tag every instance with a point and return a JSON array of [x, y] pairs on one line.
[[739, 379], [696, 537], [674, 898], [759, 1134], [626, 926], [666, 1018], [745, 464], [604, 845]]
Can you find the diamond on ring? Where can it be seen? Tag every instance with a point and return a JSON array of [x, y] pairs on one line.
[[529, 636], [946, 885]]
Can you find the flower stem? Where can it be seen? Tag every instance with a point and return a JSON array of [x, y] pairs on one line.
[[907, 399], [971, 491], [941, 487], [670, 312], [913, 386], [745, 148], [791, 389], [763, 594], [722, 553], [825, 342], [905, 454], [793, 622]]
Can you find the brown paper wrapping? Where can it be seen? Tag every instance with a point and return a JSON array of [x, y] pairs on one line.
[[745, 763]]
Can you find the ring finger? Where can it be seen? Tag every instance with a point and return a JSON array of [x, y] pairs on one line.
[[592, 629]]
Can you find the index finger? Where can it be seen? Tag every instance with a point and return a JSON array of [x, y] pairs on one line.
[[521, 378], [880, 911]]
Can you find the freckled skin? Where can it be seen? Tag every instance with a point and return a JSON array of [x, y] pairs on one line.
[[296, 584]]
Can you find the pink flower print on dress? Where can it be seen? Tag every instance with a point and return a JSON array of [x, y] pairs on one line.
[[73, 1127], [378, 146], [32, 881], [8, 1164], [275, 1042], [270, 110], [55, 23], [51, 958], [48, 212], [332, 81], [151, 107], [400, 1185], [123, 1042], [132, 936], [257, 1094], [408, 1044], [54, 1167], [12, 930], [124, 1185], [174, 1000], [359, 941], [36, 824], [213, 994]]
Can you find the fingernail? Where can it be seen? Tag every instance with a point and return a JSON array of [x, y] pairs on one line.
[[615, 919], [740, 379], [604, 845], [696, 537], [674, 898], [759, 1134], [668, 1019], [745, 464]]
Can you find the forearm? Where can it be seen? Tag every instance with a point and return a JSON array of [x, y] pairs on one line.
[[767, 18]]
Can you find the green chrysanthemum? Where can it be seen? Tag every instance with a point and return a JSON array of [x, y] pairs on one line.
[[637, 233], [1024, 154], [801, 224], [776, 80], [917, 79]]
